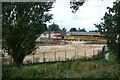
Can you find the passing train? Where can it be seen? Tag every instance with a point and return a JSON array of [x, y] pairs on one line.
[[80, 38], [86, 36]]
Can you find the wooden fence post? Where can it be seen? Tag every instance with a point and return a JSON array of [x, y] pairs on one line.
[[85, 53], [44, 57], [59, 59], [93, 54], [98, 51], [65, 55], [33, 57], [55, 56], [75, 54]]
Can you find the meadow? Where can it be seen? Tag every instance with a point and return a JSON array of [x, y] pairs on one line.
[[78, 68]]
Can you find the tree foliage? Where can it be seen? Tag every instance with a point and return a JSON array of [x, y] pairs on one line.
[[22, 23], [81, 30], [73, 29], [74, 5], [110, 27], [93, 31], [54, 27], [64, 29]]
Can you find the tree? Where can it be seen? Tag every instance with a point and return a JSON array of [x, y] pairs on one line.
[[74, 5], [110, 28], [22, 23], [64, 29], [73, 30], [81, 30], [54, 27], [93, 31]]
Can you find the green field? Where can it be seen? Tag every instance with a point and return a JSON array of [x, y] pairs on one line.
[[79, 68]]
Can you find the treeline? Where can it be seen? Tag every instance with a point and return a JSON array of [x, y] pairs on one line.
[[55, 27]]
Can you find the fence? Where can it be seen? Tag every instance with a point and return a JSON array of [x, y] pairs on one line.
[[55, 56]]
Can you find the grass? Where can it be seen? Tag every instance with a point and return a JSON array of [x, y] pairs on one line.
[[79, 68]]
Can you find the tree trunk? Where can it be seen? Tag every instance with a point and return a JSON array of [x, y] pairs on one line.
[[18, 64], [18, 60]]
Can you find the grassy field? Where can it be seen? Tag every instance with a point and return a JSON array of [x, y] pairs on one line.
[[85, 68]]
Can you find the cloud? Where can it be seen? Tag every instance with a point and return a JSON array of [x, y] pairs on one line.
[[89, 13]]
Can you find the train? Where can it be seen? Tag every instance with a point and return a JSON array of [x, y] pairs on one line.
[[82, 38], [73, 36], [79, 38]]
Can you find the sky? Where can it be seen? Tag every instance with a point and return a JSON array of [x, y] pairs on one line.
[[86, 16]]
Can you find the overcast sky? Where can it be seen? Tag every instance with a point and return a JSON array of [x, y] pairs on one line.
[[89, 13]]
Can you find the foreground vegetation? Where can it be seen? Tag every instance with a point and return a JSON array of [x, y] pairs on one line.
[[79, 68]]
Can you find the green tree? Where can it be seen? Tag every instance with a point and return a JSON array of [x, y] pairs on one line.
[[21, 23], [110, 28], [64, 29], [93, 31], [74, 5], [54, 27], [73, 30], [81, 30]]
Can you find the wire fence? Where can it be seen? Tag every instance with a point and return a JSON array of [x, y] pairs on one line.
[[54, 56]]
